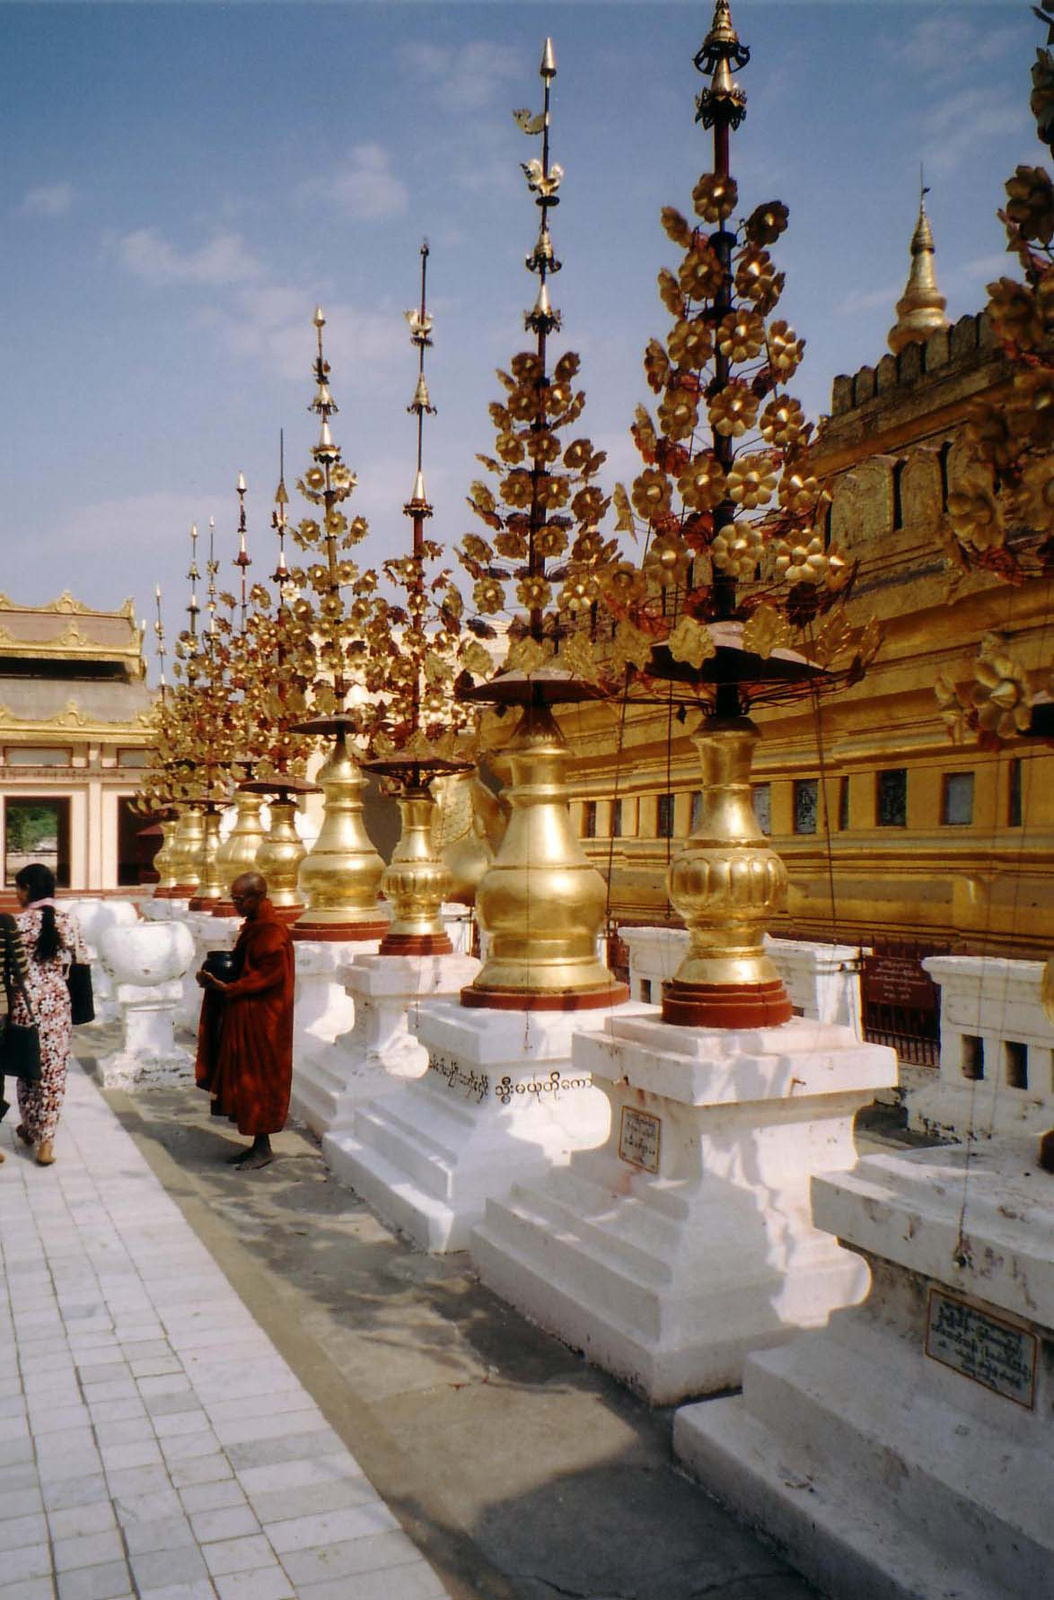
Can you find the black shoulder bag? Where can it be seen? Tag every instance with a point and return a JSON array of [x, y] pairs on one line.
[[82, 1001], [19, 1041]]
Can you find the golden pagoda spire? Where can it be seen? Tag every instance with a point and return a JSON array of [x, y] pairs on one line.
[[920, 310]]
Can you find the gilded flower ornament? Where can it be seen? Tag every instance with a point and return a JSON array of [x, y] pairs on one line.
[[734, 409], [715, 198], [752, 481], [1001, 694], [975, 514]]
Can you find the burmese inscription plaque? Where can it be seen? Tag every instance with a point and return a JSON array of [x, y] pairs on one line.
[[638, 1139], [994, 1353]]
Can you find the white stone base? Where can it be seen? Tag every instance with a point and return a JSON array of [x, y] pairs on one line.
[[149, 1055], [498, 1102], [882, 1472], [668, 1277], [209, 933], [997, 1046], [323, 1010], [379, 1054]]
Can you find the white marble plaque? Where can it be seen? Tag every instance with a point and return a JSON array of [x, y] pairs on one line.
[[638, 1139], [994, 1353]]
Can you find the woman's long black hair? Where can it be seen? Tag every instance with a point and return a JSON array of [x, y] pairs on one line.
[[39, 883]]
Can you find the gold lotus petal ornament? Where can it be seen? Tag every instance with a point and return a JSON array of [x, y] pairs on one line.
[[714, 197], [677, 228], [782, 422], [667, 559], [737, 550], [691, 342], [1036, 497], [741, 334], [534, 593], [670, 292], [733, 409], [785, 349], [702, 485], [656, 366], [798, 491], [1030, 203], [701, 275], [766, 222], [752, 481], [678, 413], [1015, 313], [651, 494], [757, 279], [975, 514], [624, 584]]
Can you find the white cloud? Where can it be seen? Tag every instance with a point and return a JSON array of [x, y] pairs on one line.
[[985, 268], [364, 186], [50, 200], [869, 299], [946, 43], [970, 117], [273, 324], [465, 79], [223, 259]]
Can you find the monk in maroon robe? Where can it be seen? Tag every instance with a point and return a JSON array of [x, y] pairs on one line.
[[245, 1036]]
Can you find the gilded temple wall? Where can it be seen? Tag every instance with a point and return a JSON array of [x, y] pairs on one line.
[[74, 730], [938, 854]]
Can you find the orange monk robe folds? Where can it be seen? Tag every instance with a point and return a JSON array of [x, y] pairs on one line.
[[245, 1036]]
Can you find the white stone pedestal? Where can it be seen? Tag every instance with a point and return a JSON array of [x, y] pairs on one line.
[[147, 960], [498, 1102], [208, 933], [322, 1010], [379, 1054], [94, 918], [906, 1449], [997, 1051], [686, 1240], [822, 980]]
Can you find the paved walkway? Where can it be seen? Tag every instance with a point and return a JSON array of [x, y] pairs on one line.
[[153, 1442]]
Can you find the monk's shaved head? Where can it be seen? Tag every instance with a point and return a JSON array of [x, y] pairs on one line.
[[250, 883]]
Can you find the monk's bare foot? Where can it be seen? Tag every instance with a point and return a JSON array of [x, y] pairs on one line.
[[255, 1159], [238, 1157]]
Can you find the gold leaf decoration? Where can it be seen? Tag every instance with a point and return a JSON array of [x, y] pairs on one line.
[[578, 657], [832, 639], [767, 630], [870, 639], [527, 655], [476, 660], [951, 707], [624, 522], [631, 644], [692, 642]]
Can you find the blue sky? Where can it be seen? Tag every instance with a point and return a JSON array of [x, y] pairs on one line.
[[180, 184]]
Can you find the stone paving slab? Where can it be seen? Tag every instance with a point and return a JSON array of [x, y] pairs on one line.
[[153, 1443]]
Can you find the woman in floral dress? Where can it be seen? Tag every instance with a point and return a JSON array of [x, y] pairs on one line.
[[52, 940]]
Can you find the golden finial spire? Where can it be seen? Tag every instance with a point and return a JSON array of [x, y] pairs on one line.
[[278, 518], [242, 560], [920, 310], [420, 406], [193, 573]]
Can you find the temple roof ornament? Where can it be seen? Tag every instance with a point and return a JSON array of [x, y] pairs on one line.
[[920, 310]]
